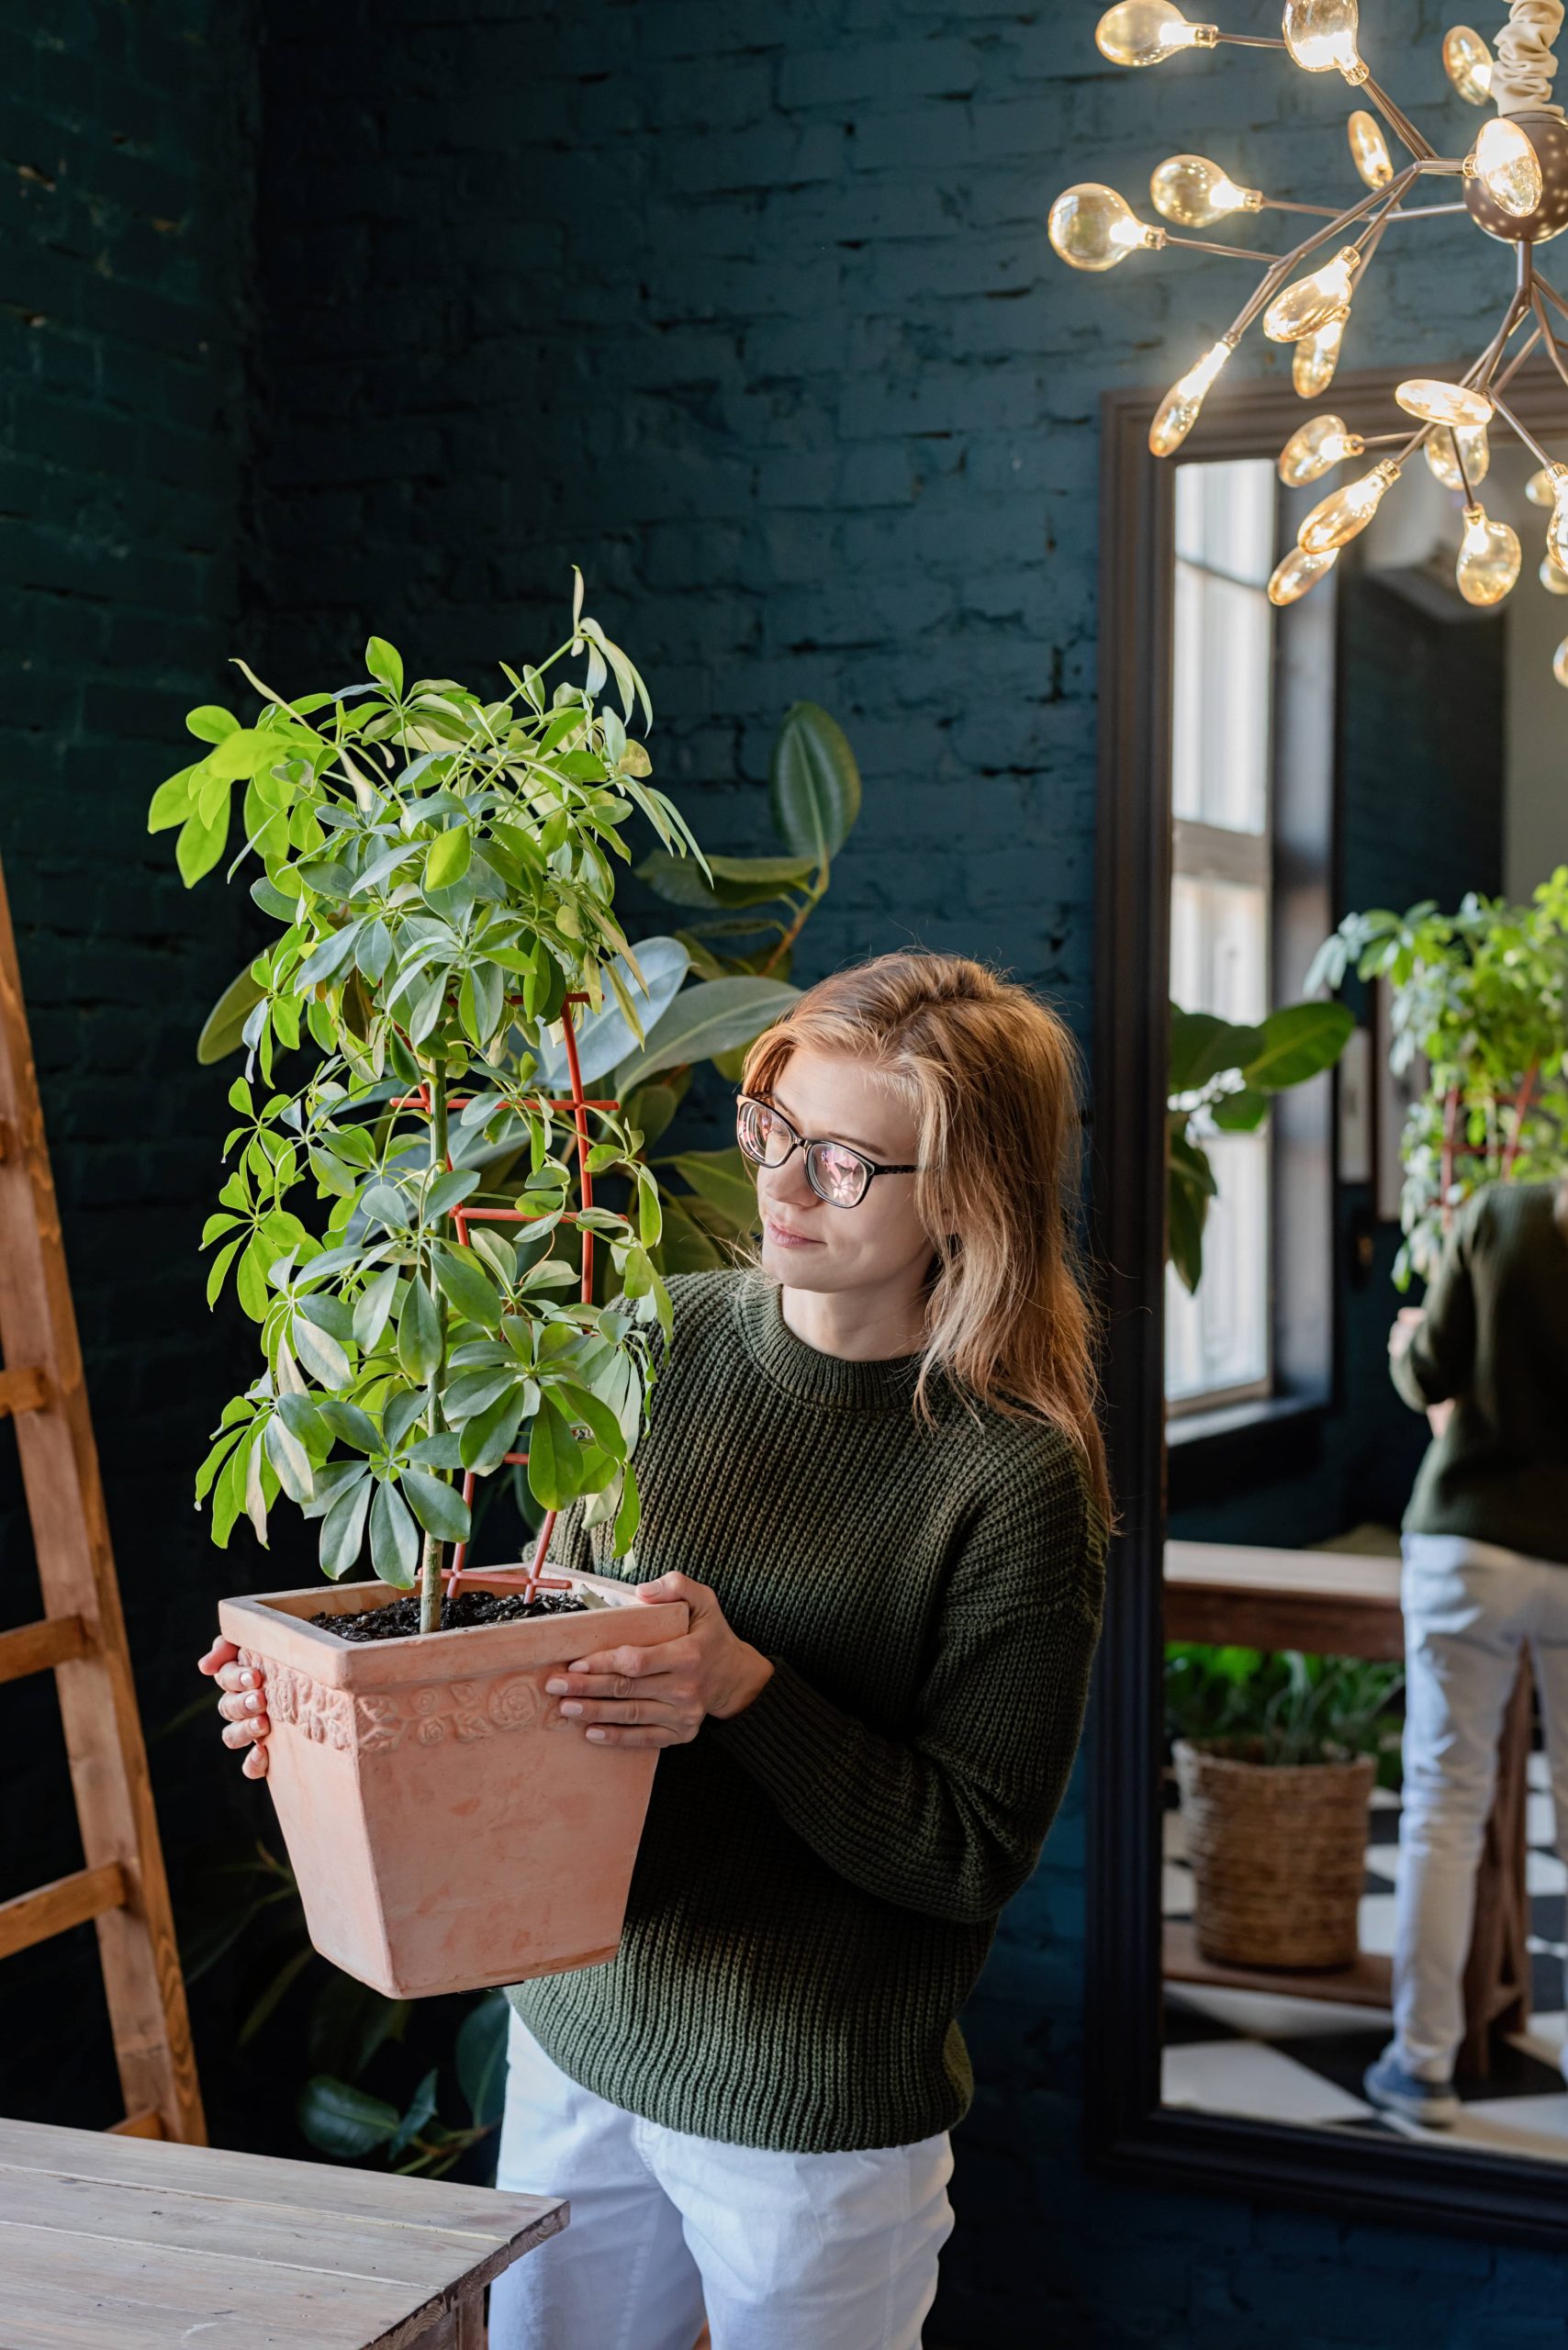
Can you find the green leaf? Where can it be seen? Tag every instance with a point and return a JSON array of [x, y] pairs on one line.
[[713, 1017], [481, 2058], [440, 1507], [372, 1308], [342, 1528], [1187, 1205], [200, 846], [448, 1189], [488, 1438], [171, 801], [320, 1352], [606, 1037], [350, 1425], [419, 1333], [686, 1247], [737, 880], [813, 783], [555, 1458], [721, 1178], [386, 662], [1299, 1042], [1203, 1046], [394, 1538], [342, 2121], [628, 1513], [220, 1033], [462, 1280], [1239, 1113], [211, 724], [446, 860], [290, 1460]]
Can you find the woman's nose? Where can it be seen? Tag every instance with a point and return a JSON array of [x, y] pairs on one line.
[[789, 1184]]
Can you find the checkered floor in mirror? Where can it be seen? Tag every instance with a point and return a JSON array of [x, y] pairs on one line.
[[1302, 2060]]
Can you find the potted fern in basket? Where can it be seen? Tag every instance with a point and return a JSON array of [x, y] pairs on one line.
[[441, 869], [1276, 1759]]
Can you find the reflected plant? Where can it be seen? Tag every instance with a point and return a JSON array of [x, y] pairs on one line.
[[1284, 1708]]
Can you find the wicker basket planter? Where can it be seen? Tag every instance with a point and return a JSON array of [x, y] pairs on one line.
[[1278, 1854]]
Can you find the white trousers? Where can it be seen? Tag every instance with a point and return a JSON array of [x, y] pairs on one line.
[[1469, 1608], [782, 2251]]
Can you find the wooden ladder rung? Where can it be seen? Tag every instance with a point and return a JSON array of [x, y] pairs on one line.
[[137, 2125], [34, 1648], [23, 1390], [55, 1908]]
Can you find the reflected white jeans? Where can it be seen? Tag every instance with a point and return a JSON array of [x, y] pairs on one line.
[[1469, 1609], [784, 2252]]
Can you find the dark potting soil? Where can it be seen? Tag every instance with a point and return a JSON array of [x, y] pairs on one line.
[[400, 1618]]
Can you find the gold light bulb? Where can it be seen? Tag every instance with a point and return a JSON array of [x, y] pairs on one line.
[[1369, 149], [1145, 32], [1313, 302], [1314, 358], [1489, 558], [1551, 574], [1541, 487], [1560, 662], [1557, 529], [1092, 228], [1474, 449], [1321, 35], [1193, 192], [1296, 571], [1440, 403], [1345, 513], [1178, 411], [1507, 167], [1467, 62], [1314, 448]]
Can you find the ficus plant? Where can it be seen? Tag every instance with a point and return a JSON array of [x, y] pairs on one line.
[[441, 866], [1483, 994]]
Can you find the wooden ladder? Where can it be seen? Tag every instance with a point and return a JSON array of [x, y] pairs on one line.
[[82, 1635]]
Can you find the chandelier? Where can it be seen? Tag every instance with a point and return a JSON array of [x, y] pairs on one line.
[[1514, 185]]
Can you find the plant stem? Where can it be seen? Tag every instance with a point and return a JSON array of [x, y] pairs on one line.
[[430, 1560]]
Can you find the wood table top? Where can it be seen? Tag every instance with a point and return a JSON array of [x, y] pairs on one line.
[[133, 2243]]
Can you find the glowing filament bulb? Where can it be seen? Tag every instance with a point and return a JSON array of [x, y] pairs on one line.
[[1467, 62], [1440, 403], [1507, 167], [1541, 487], [1552, 576], [1296, 571], [1369, 149], [1092, 228], [1557, 529], [1321, 35], [1489, 558], [1345, 513], [1314, 448], [1314, 358], [1474, 462], [1313, 302], [1178, 411], [1146, 32], [1193, 192], [1560, 662]]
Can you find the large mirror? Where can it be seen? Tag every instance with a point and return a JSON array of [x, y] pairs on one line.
[[1325, 830]]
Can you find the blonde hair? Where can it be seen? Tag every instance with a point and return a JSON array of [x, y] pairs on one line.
[[993, 1076]]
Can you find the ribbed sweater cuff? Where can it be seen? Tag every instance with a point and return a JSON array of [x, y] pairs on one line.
[[791, 1738]]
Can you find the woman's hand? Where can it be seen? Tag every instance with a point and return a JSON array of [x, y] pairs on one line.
[[658, 1695], [1403, 1328], [243, 1703]]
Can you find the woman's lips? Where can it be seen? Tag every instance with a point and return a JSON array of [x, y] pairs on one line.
[[783, 1238]]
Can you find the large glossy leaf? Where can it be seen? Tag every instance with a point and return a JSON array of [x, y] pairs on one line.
[[736, 881], [724, 1180], [813, 783], [1300, 1041], [221, 1033], [606, 1037], [1203, 1044], [1187, 1207], [711, 1018], [342, 2121], [482, 2058], [685, 1247]]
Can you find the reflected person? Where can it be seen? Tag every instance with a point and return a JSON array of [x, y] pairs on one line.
[[1485, 1547]]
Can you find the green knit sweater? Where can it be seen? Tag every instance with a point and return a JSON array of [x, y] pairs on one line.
[[1495, 1339], [820, 1876]]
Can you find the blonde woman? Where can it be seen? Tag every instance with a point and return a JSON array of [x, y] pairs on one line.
[[873, 1471]]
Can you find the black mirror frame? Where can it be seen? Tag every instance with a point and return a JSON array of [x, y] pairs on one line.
[[1129, 2133]]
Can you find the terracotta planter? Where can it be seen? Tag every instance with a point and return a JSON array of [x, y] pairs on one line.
[[1278, 1854], [448, 1830]]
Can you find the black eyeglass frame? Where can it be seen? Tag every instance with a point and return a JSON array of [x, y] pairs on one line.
[[807, 1144]]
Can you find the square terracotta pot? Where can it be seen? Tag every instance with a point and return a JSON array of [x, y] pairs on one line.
[[447, 1829]]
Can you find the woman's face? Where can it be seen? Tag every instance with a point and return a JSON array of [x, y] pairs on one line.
[[807, 1243]]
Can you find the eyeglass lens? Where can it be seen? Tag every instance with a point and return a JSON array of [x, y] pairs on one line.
[[836, 1173]]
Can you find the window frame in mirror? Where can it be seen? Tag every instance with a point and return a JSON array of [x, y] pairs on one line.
[[1129, 2132]]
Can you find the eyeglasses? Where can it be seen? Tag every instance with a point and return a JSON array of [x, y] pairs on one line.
[[836, 1173]]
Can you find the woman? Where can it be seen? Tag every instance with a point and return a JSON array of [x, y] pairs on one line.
[[1486, 1545], [873, 1471]]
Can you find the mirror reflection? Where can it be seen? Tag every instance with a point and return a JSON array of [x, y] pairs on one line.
[[1366, 1341]]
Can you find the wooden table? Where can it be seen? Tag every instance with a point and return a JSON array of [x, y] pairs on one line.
[[1346, 1603], [131, 2244]]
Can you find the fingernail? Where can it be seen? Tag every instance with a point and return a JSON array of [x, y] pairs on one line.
[[252, 1705], [247, 1681], [570, 1706], [581, 1666], [598, 1736], [554, 1688]]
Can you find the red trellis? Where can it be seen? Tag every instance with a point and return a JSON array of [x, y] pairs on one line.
[[1454, 1149], [532, 1578]]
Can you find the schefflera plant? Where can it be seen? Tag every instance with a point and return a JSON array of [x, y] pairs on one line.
[[441, 866]]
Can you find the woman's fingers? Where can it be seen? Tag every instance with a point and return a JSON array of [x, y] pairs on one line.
[[247, 1732], [649, 1737], [222, 1652]]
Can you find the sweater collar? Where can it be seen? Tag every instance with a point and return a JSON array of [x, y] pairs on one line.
[[828, 1381]]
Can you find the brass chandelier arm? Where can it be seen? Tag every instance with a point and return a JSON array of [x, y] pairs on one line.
[[1553, 347], [1509, 418], [1398, 122], [1282, 269], [1226, 252]]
